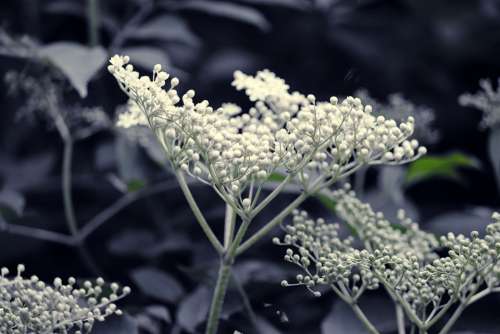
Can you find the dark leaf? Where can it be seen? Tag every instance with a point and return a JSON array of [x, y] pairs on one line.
[[128, 157], [157, 284], [294, 4], [193, 309], [124, 324], [494, 153], [146, 57], [131, 242], [264, 326], [342, 319], [159, 312], [24, 174], [258, 271], [222, 64], [460, 222], [12, 201], [229, 10], [77, 62], [168, 28]]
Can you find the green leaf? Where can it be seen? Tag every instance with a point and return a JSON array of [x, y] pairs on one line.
[[135, 185], [77, 62], [276, 177], [446, 166]]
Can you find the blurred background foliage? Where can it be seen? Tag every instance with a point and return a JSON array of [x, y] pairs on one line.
[[135, 227]]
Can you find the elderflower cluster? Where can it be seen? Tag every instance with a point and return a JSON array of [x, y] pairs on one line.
[[28, 305], [399, 257], [232, 150], [400, 108], [487, 100], [328, 259]]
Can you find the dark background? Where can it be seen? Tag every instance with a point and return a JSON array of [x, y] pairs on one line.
[[431, 51]]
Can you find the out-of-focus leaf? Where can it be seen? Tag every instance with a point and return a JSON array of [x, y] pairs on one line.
[[24, 174], [342, 320], [128, 157], [147, 324], [12, 200], [131, 242], [104, 156], [494, 152], [222, 64], [146, 57], [258, 271], [193, 309], [276, 177], [229, 10], [157, 284], [329, 204], [135, 185], [446, 166], [77, 8], [124, 324], [264, 326], [167, 28], [294, 4], [389, 195], [460, 222], [77, 62], [159, 312]]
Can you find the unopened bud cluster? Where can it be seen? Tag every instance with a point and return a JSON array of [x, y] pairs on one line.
[[232, 150], [28, 305], [400, 257], [486, 100]]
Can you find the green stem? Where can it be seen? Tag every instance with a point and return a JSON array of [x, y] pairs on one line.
[[361, 316], [229, 222], [218, 297], [197, 213], [272, 223], [458, 312], [400, 316], [69, 210], [93, 22], [246, 301], [271, 196]]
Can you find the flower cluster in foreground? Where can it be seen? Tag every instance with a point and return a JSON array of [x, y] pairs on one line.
[[237, 151], [487, 100], [28, 305], [400, 257]]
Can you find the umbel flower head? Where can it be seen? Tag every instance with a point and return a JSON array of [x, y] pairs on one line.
[[400, 257], [487, 100], [30, 306], [233, 150]]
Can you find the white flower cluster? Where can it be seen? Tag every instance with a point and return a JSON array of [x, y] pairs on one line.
[[399, 108], [487, 100], [29, 306], [233, 151], [399, 257]]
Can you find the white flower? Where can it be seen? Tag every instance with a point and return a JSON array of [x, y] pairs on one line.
[[232, 150], [487, 100], [28, 305]]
